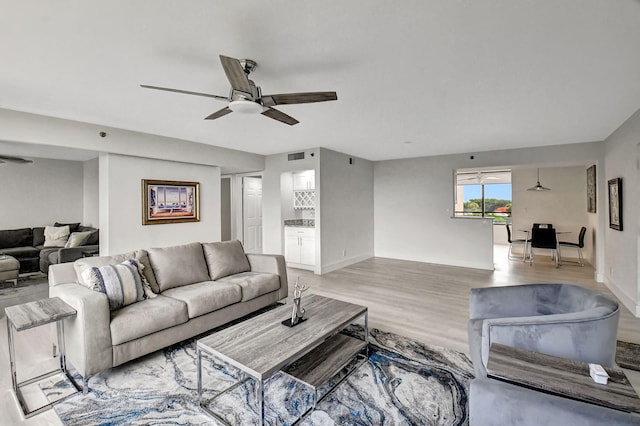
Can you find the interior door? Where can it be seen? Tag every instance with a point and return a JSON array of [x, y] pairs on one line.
[[252, 214]]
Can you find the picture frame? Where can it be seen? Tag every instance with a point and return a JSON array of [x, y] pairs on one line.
[[167, 201], [615, 204], [591, 189]]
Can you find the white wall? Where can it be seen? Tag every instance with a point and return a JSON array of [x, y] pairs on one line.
[[622, 160], [41, 193], [413, 205], [565, 206], [345, 210], [121, 228], [91, 186], [414, 198]]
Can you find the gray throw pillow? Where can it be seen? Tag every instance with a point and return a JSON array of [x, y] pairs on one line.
[[176, 266], [225, 258]]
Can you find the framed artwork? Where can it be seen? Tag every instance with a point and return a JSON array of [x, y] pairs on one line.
[[615, 204], [166, 201], [591, 189]]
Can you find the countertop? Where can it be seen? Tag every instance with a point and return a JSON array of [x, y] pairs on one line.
[[300, 223]]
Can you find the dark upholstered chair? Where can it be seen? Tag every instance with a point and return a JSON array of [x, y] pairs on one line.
[[523, 243], [544, 238], [579, 245], [564, 320]]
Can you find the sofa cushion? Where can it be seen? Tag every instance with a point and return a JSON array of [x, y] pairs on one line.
[[146, 317], [208, 296], [176, 266], [253, 284], [38, 236], [56, 236], [84, 264], [121, 283], [73, 227], [225, 258], [77, 239], [16, 238], [21, 252]]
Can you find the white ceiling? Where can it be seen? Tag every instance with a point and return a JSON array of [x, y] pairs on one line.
[[413, 78]]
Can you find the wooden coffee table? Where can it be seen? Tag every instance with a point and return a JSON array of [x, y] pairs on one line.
[[311, 352]]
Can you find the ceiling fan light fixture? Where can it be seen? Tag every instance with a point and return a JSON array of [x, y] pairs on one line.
[[538, 186], [245, 107]]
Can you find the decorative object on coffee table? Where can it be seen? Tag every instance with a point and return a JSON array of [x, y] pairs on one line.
[[9, 268], [297, 314], [30, 315], [166, 201]]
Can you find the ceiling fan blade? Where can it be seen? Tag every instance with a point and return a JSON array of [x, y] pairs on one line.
[[235, 74], [298, 98], [186, 92], [220, 113], [18, 160], [280, 116]]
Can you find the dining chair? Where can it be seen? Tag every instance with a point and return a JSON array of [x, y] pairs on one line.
[[543, 225], [524, 243], [544, 238], [579, 245]]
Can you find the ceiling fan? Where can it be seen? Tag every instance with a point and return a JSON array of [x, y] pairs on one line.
[[477, 177], [246, 97], [10, 159]]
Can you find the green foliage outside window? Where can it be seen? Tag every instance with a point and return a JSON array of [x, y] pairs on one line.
[[499, 210]]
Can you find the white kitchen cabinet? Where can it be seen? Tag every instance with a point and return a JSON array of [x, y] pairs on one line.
[[303, 181], [300, 245]]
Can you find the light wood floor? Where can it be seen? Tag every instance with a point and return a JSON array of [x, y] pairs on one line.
[[430, 303], [423, 301]]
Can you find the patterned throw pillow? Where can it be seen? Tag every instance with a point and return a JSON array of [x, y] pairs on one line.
[[121, 283]]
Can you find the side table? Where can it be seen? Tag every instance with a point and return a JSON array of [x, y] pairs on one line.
[[30, 315]]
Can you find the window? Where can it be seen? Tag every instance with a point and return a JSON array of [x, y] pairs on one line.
[[484, 194]]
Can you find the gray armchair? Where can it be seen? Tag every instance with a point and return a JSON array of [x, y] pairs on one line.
[[564, 320], [556, 319]]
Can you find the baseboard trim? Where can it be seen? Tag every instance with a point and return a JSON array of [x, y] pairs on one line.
[[626, 300], [325, 269]]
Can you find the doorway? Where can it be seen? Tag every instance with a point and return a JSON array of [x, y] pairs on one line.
[[252, 214]]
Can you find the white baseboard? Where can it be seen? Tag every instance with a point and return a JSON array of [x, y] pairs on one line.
[[343, 263], [628, 301]]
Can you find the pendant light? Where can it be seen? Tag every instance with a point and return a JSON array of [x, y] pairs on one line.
[[537, 186]]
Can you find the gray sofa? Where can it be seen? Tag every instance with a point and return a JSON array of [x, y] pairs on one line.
[[27, 246], [199, 286], [563, 320], [54, 255]]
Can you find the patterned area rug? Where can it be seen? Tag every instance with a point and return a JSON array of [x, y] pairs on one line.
[[628, 355], [403, 382]]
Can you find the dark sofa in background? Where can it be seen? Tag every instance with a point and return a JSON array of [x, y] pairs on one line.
[[26, 245]]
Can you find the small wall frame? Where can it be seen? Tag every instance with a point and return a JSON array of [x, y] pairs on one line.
[[166, 201], [615, 204]]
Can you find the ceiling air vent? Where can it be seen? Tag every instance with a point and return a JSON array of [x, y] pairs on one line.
[[296, 156]]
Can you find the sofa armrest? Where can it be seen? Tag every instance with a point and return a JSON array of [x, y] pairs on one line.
[[88, 334], [272, 264], [587, 336], [73, 253]]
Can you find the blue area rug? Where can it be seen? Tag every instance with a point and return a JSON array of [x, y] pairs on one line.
[[403, 382]]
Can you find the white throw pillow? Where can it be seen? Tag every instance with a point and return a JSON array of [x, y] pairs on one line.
[[56, 236], [77, 239]]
